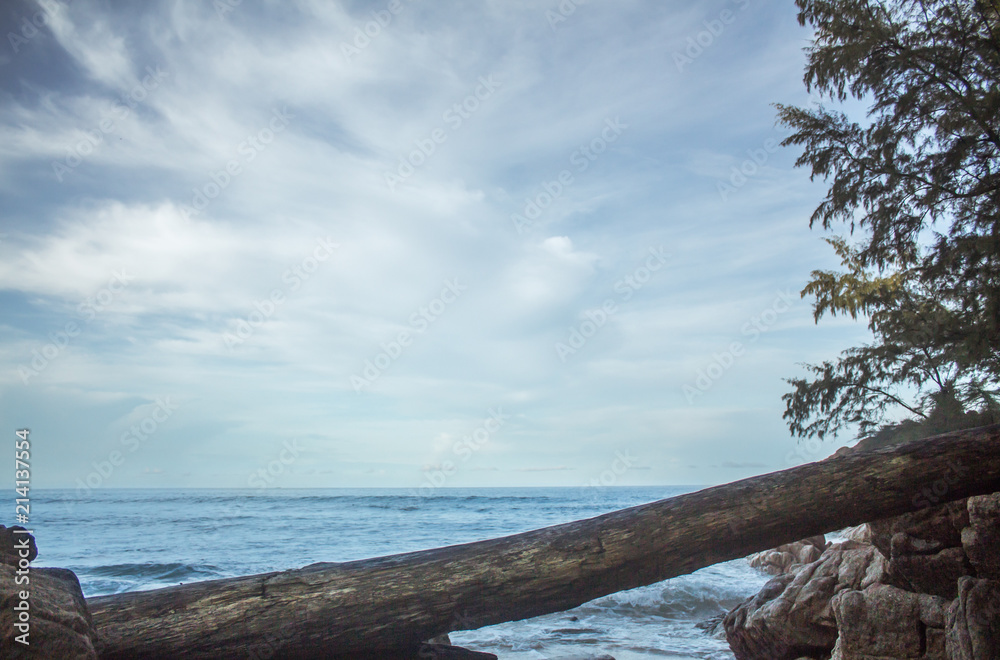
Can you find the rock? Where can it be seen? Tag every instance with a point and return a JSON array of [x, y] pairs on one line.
[[789, 557], [886, 622], [791, 617], [861, 533], [924, 549], [940, 525], [929, 590], [11, 545], [713, 626], [60, 625], [981, 539], [973, 631], [936, 574], [59, 622]]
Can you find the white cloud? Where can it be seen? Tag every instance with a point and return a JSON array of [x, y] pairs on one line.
[[195, 278]]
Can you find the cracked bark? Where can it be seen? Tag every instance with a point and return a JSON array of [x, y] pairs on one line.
[[386, 606]]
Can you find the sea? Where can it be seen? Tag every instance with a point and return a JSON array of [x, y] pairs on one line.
[[121, 540]]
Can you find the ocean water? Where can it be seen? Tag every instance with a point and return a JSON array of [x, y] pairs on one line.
[[119, 540]]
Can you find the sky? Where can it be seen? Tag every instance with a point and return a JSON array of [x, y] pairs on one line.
[[404, 244]]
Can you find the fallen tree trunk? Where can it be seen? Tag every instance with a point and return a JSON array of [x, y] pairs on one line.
[[377, 607]]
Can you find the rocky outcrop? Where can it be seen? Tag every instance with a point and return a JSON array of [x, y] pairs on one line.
[[791, 617], [974, 621], [787, 558], [927, 586], [886, 622], [58, 623], [11, 541], [924, 549], [861, 533], [981, 538]]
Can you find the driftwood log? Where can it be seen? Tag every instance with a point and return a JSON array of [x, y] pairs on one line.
[[386, 606]]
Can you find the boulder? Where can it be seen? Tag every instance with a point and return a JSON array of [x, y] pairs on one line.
[[59, 625], [929, 589], [789, 557], [791, 617], [11, 542], [981, 538], [973, 621], [883, 622], [938, 526], [924, 549], [861, 533]]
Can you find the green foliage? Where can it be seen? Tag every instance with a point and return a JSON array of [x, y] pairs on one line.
[[920, 182], [912, 363], [853, 292]]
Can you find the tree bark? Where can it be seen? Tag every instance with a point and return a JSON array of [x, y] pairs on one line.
[[380, 607]]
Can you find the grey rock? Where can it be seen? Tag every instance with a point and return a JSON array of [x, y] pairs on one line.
[[924, 549], [931, 591], [59, 625], [789, 557], [973, 631], [886, 622], [11, 545], [861, 533], [791, 617], [981, 539], [940, 525]]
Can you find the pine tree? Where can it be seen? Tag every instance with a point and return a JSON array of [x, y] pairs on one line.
[[918, 182]]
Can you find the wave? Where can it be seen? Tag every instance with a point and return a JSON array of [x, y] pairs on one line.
[[697, 596], [172, 572]]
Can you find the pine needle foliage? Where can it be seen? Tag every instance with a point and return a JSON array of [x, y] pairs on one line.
[[918, 186]]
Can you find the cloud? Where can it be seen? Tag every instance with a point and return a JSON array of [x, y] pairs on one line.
[[191, 218]]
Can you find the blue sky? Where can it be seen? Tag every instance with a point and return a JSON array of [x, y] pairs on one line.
[[404, 244]]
